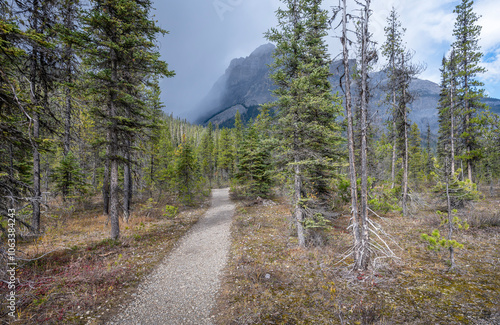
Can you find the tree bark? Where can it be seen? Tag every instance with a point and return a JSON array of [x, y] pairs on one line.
[[350, 136], [405, 132], [35, 70], [364, 252], [299, 212], [35, 221], [450, 226], [452, 126], [467, 121], [127, 186], [113, 209], [405, 167], [394, 147], [105, 182]]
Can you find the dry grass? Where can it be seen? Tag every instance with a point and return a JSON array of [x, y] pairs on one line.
[[88, 276], [270, 281]]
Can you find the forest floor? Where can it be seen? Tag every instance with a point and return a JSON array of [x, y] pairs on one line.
[[85, 275], [269, 280]]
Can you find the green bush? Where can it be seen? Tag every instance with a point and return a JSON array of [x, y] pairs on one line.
[[436, 241], [170, 211]]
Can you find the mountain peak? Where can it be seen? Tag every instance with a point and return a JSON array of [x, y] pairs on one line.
[[246, 85]]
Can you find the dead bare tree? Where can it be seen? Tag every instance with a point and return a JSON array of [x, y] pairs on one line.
[[366, 56], [345, 83]]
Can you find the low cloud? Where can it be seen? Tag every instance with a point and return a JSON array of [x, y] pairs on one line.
[[204, 39]]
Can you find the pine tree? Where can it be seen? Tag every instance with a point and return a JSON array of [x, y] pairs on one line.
[[400, 72], [447, 111], [206, 155], [306, 109], [186, 174], [225, 154], [468, 57], [392, 50], [416, 165], [42, 69], [15, 145], [254, 167], [122, 56], [238, 136], [428, 151], [68, 176]]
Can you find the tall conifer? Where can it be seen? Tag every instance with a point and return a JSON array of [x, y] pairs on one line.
[[306, 109], [122, 57], [468, 57]]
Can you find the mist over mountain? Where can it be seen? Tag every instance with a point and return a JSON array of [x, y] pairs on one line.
[[246, 85]]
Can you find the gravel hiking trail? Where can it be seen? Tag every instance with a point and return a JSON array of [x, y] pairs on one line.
[[183, 288]]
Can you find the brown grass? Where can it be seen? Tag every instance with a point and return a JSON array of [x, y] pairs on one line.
[[87, 276], [271, 281]]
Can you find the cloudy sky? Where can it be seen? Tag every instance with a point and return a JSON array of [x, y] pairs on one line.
[[205, 35]]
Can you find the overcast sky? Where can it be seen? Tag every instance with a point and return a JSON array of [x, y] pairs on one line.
[[205, 35]]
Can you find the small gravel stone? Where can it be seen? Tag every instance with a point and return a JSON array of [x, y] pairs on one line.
[[182, 289]]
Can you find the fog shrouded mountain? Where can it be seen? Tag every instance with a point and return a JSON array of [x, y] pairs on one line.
[[246, 84]]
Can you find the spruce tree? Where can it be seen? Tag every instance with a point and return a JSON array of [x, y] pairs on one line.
[[254, 167], [15, 145], [392, 50], [42, 69], [428, 151], [400, 71], [305, 108], [238, 136], [416, 165], [206, 155], [225, 154], [68, 176], [123, 56], [447, 111], [186, 173], [468, 57]]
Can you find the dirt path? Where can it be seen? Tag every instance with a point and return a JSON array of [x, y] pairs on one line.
[[182, 290]]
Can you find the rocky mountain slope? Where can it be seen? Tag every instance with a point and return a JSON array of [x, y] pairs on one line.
[[245, 85]]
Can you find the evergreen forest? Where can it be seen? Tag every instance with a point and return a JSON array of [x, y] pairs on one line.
[[338, 219]]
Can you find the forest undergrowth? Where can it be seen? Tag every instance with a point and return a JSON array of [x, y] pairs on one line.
[[77, 275], [269, 280]]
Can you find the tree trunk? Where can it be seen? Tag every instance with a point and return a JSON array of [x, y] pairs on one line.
[[450, 225], [467, 123], [452, 127], [94, 171], [68, 109], [364, 253], [394, 142], [405, 162], [394, 147], [105, 182], [113, 209], [113, 136], [299, 213], [127, 186], [35, 221], [350, 137]]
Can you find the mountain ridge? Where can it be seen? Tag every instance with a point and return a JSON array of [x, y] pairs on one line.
[[246, 85]]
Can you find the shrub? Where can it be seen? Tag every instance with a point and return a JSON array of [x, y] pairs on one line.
[[170, 211]]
